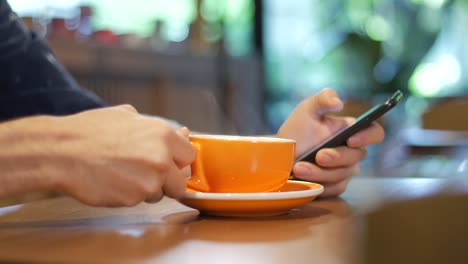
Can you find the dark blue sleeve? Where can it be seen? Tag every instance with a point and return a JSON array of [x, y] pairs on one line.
[[32, 81]]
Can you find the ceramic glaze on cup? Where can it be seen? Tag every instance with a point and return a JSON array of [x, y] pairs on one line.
[[240, 164]]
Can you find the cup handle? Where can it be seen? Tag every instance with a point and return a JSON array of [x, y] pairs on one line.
[[197, 181]]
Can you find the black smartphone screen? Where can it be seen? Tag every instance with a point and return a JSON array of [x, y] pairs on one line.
[[363, 121]]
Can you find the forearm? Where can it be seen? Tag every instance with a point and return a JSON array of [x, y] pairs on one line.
[[23, 156]]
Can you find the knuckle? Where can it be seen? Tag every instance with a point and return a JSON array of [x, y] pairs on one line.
[[187, 157], [166, 132], [177, 188], [159, 160], [152, 186], [329, 91], [162, 163], [147, 187], [128, 107]]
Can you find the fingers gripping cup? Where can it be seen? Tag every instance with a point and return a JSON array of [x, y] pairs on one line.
[[240, 163]]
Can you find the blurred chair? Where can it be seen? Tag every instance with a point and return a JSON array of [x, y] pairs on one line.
[[444, 129], [427, 230], [447, 114], [438, 148]]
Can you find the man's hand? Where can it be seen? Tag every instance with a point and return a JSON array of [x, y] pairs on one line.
[[105, 157], [311, 123]]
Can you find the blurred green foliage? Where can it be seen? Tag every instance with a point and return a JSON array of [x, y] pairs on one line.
[[362, 48]]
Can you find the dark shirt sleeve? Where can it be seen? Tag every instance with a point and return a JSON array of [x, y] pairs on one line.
[[32, 81]]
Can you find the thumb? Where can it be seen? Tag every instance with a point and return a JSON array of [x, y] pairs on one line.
[[324, 102]]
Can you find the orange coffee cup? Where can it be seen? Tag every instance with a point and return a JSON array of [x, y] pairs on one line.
[[240, 164]]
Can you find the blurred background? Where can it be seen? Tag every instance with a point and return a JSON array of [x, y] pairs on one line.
[[241, 66]]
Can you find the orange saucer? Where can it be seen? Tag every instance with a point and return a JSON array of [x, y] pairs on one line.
[[293, 194]]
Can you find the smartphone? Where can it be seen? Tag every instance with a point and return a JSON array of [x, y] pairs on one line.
[[363, 121]]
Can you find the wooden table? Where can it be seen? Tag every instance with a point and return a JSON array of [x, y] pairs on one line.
[[62, 230]]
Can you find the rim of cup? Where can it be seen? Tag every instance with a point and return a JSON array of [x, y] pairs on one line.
[[243, 138]]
